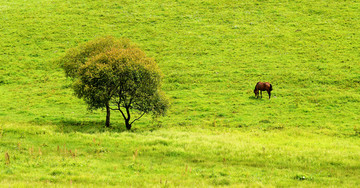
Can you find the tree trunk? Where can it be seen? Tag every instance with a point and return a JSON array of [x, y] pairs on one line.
[[127, 120], [128, 125], [107, 123]]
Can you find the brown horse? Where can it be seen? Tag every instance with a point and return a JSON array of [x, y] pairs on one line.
[[262, 86]]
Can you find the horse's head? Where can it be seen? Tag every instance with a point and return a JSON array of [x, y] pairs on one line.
[[256, 91]]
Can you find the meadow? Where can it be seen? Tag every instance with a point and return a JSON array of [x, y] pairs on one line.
[[216, 133]]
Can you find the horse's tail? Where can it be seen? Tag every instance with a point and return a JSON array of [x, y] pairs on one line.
[[270, 87]]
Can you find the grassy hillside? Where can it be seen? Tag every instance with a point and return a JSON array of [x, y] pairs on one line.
[[212, 54]]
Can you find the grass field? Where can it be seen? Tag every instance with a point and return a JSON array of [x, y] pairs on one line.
[[212, 54]]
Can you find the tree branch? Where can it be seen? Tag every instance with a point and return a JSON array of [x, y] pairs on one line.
[[128, 113], [119, 108], [113, 108], [138, 118], [122, 113]]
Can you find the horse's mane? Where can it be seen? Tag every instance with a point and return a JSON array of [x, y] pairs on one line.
[[256, 85]]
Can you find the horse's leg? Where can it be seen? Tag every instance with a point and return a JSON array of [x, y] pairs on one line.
[[269, 92], [261, 93]]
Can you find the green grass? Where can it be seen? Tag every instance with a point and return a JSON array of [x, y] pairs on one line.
[[212, 54], [51, 155]]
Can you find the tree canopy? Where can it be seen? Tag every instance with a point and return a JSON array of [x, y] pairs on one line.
[[116, 75]]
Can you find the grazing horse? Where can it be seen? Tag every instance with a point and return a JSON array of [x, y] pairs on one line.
[[262, 86]]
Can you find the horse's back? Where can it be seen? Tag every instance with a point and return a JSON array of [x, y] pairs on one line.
[[268, 85], [264, 86]]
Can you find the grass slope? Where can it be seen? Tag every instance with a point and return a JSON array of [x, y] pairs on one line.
[[212, 53]]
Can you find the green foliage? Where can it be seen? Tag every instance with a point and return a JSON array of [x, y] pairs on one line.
[[76, 57], [116, 75]]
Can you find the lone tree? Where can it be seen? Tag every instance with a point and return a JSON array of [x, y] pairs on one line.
[[116, 75]]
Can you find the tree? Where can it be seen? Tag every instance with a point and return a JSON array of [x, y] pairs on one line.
[[116, 75]]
